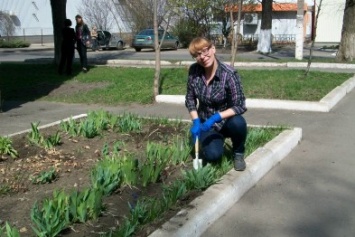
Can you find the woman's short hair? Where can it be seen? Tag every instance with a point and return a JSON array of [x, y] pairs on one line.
[[67, 22], [197, 44]]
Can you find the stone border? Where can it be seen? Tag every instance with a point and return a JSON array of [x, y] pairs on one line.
[[219, 198], [134, 62], [324, 105], [49, 124]]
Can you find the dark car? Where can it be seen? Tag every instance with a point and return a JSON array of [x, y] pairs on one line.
[[106, 40], [145, 40]]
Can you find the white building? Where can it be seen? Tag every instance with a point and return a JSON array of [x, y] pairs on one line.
[[329, 27], [34, 17]]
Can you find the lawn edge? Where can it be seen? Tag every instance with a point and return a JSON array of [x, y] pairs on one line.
[[219, 198], [324, 105]]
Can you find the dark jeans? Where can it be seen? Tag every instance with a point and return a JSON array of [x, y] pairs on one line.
[[66, 58], [82, 54], [212, 142], [94, 44]]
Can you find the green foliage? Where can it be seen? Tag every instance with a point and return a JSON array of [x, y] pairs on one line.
[[44, 177], [6, 147], [50, 219], [89, 128], [71, 127], [200, 179], [14, 44], [85, 205], [34, 135], [157, 159], [37, 138], [180, 150], [258, 137], [106, 175], [8, 231], [129, 171], [129, 123], [186, 30]]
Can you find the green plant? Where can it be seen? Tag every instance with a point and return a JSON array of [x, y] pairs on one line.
[[157, 159], [52, 141], [71, 127], [6, 147], [106, 175], [85, 205], [129, 171], [180, 150], [200, 179], [34, 135], [9, 231], [89, 129], [173, 193], [259, 136], [14, 44], [49, 220], [129, 123], [44, 177]]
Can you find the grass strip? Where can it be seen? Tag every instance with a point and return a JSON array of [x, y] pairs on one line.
[[114, 85]]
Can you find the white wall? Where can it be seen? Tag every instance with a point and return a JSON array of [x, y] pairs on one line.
[[330, 21], [36, 19]]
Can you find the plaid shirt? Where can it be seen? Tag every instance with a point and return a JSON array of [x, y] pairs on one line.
[[225, 91]]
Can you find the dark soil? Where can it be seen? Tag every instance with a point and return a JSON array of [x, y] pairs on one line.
[[73, 160]]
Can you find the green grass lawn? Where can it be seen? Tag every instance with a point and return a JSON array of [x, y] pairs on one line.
[[115, 85]]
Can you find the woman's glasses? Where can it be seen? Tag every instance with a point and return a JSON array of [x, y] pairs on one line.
[[203, 52]]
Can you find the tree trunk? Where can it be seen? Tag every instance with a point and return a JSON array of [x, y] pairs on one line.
[[264, 41], [157, 53], [235, 36], [299, 34], [58, 17], [347, 44], [232, 32], [314, 38]]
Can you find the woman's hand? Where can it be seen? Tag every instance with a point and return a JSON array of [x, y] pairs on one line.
[[207, 125], [195, 129]]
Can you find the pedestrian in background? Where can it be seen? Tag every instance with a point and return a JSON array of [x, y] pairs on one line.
[[67, 48], [94, 38], [221, 103], [82, 41]]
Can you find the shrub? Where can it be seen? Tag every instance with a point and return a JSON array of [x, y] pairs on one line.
[[14, 44], [6, 147]]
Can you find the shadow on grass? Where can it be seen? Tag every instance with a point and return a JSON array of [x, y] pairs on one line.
[[22, 82]]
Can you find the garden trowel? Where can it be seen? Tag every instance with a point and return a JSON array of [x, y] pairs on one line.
[[197, 163]]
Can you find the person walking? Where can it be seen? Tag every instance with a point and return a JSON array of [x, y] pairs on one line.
[[82, 41], [67, 48], [94, 35], [221, 102]]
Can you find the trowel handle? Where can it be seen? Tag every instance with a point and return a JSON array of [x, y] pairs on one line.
[[196, 145]]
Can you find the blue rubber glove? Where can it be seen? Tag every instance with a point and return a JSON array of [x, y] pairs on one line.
[[207, 125], [195, 129]]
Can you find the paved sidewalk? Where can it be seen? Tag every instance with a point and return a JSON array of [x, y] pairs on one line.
[[311, 193]]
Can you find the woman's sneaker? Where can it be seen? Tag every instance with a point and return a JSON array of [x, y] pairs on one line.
[[239, 163]]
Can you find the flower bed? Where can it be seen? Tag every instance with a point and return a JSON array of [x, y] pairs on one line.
[[120, 175]]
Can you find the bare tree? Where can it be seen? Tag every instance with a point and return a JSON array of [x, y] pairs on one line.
[[7, 26], [264, 41], [314, 38], [235, 36], [347, 44], [58, 16], [299, 26], [97, 13]]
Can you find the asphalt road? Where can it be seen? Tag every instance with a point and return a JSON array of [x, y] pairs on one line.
[[285, 53]]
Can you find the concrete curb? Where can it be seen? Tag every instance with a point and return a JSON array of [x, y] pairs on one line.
[[324, 105], [237, 64], [219, 198], [49, 124]]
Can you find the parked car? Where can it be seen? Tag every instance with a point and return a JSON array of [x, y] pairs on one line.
[[106, 40], [145, 40]]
